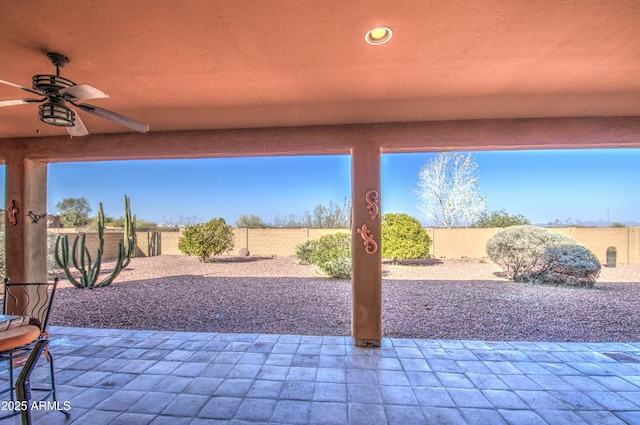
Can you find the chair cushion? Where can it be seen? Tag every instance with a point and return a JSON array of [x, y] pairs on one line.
[[17, 337]]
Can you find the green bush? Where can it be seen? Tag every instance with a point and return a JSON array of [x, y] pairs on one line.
[[206, 239], [403, 237], [535, 254], [340, 268], [304, 250], [332, 254]]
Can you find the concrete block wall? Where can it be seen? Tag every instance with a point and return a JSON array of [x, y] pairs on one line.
[[447, 243], [168, 243], [634, 245], [110, 248], [470, 243], [459, 243], [275, 242], [259, 242], [150, 243], [318, 233], [598, 239]]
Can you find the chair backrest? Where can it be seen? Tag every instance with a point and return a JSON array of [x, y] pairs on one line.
[[29, 299]]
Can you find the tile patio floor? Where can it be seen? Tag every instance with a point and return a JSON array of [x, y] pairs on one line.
[[150, 377]]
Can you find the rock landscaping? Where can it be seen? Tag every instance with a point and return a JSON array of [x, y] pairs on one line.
[[443, 299]]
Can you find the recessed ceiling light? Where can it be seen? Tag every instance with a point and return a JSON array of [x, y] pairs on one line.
[[378, 35]]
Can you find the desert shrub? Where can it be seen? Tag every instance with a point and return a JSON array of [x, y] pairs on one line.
[[53, 269], [569, 265], [403, 237], [499, 219], [340, 268], [332, 254], [304, 250], [536, 254], [206, 239]]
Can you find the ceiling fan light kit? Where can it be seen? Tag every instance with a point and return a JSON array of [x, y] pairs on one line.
[[57, 91], [56, 114]]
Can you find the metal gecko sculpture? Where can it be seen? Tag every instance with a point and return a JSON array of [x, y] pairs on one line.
[[372, 204], [12, 211], [370, 245]]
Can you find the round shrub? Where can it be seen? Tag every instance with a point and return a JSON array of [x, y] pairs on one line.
[[332, 254], [403, 237], [304, 250], [570, 265], [206, 239], [536, 254]]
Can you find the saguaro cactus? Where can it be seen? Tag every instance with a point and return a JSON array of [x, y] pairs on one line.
[[129, 236], [81, 260]]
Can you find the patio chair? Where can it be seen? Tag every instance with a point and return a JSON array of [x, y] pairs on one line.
[[23, 339]]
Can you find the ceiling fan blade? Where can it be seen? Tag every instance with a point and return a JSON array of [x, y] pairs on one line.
[[83, 92], [18, 86], [120, 119], [18, 102], [78, 129]]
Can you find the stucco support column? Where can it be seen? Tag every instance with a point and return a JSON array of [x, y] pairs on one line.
[[25, 242], [366, 313]]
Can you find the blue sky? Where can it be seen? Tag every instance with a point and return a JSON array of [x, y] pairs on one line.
[[543, 186], [585, 185]]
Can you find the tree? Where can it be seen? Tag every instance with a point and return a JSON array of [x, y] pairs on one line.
[[251, 221], [448, 190], [206, 239], [110, 222], [499, 219], [403, 237], [74, 212], [332, 216], [293, 221], [171, 225]]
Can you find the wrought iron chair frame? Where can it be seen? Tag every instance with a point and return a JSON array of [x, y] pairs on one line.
[[20, 390]]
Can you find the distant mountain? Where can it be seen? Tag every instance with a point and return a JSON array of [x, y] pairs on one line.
[[599, 223]]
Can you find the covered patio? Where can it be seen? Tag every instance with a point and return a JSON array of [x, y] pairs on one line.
[[229, 79], [111, 376]]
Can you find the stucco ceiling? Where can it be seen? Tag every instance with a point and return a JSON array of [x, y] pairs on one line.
[[180, 65]]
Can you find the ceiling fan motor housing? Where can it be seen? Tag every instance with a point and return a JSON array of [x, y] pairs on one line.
[[50, 84]]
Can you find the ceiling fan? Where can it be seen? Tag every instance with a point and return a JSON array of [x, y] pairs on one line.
[[56, 92]]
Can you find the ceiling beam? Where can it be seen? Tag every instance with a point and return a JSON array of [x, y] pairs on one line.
[[509, 134], [429, 136]]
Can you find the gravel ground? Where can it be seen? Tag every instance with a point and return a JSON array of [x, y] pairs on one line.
[[463, 299]]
